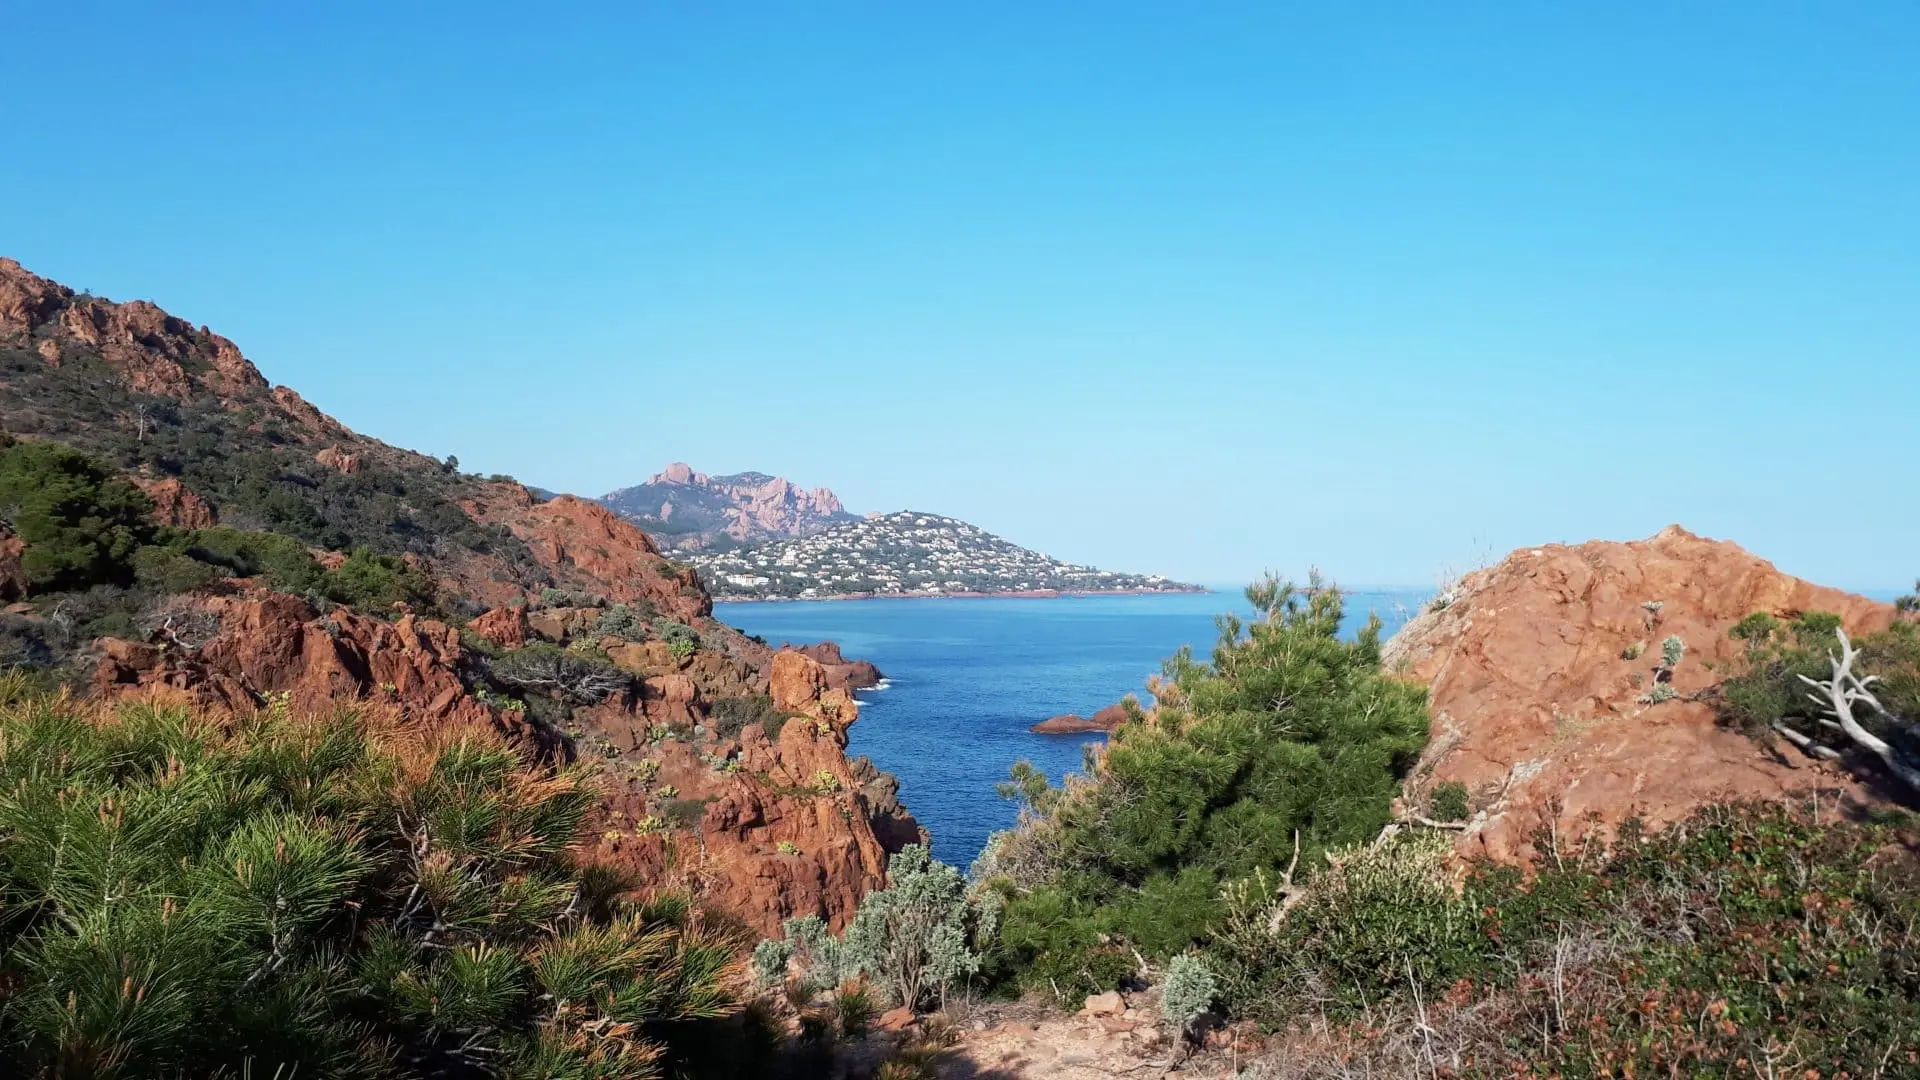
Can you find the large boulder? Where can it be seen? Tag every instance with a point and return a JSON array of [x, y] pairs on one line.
[[1540, 712]]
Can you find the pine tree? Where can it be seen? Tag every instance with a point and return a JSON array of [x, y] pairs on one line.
[[182, 895]]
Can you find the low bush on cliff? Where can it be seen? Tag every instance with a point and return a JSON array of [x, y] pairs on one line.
[[1768, 691], [191, 896], [578, 678], [1287, 734], [733, 715]]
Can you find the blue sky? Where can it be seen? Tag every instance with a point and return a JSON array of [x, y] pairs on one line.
[[1199, 289]]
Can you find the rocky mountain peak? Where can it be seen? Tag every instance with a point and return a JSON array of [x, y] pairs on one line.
[[692, 511]]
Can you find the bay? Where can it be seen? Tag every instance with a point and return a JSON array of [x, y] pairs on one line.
[[966, 678]]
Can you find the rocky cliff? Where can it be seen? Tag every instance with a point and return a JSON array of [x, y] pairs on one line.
[[691, 511], [1542, 670]]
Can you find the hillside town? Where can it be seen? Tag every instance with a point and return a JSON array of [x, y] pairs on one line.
[[905, 554]]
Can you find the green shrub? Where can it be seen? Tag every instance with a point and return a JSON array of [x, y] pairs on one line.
[[1287, 728], [373, 584], [80, 521], [1378, 917], [853, 1011], [1756, 629], [167, 571], [280, 562], [1671, 651], [189, 897], [621, 622], [681, 639], [731, 716], [1765, 687], [1448, 802]]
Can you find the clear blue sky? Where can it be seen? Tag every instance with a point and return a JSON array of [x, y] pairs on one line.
[[1199, 289]]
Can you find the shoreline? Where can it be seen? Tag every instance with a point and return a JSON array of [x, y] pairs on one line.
[[1011, 594]]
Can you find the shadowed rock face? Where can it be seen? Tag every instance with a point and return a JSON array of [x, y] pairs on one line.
[[1537, 710]]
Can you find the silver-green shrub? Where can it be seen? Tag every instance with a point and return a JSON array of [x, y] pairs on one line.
[[1189, 991], [911, 936], [1672, 649]]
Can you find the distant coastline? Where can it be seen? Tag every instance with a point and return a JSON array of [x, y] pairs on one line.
[[1009, 594]]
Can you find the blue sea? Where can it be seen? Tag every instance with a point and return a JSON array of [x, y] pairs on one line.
[[967, 677]]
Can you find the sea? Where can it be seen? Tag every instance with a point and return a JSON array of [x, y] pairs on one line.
[[966, 678]]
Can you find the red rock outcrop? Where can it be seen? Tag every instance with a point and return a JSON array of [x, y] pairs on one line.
[[239, 647], [1106, 719], [13, 578], [174, 505], [157, 353], [793, 829], [842, 674], [1538, 711], [269, 644], [504, 626], [588, 548], [338, 460]]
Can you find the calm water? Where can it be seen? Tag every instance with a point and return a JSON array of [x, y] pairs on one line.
[[966, 678]]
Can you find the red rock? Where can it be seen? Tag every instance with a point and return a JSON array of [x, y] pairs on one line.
[[270, 643], [504, 626], [1536, 711], [795, 680], [152, 350], [174, 505], [335, 458], [1107, 1004], [897, 1019], [841, 673], [1106, 719], [13, 578], [591, 550]]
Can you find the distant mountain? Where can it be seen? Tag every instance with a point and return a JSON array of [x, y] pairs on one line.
[[904, 554], [690, 511]]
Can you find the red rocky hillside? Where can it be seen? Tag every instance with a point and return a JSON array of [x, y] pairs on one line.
[[722, 760]]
